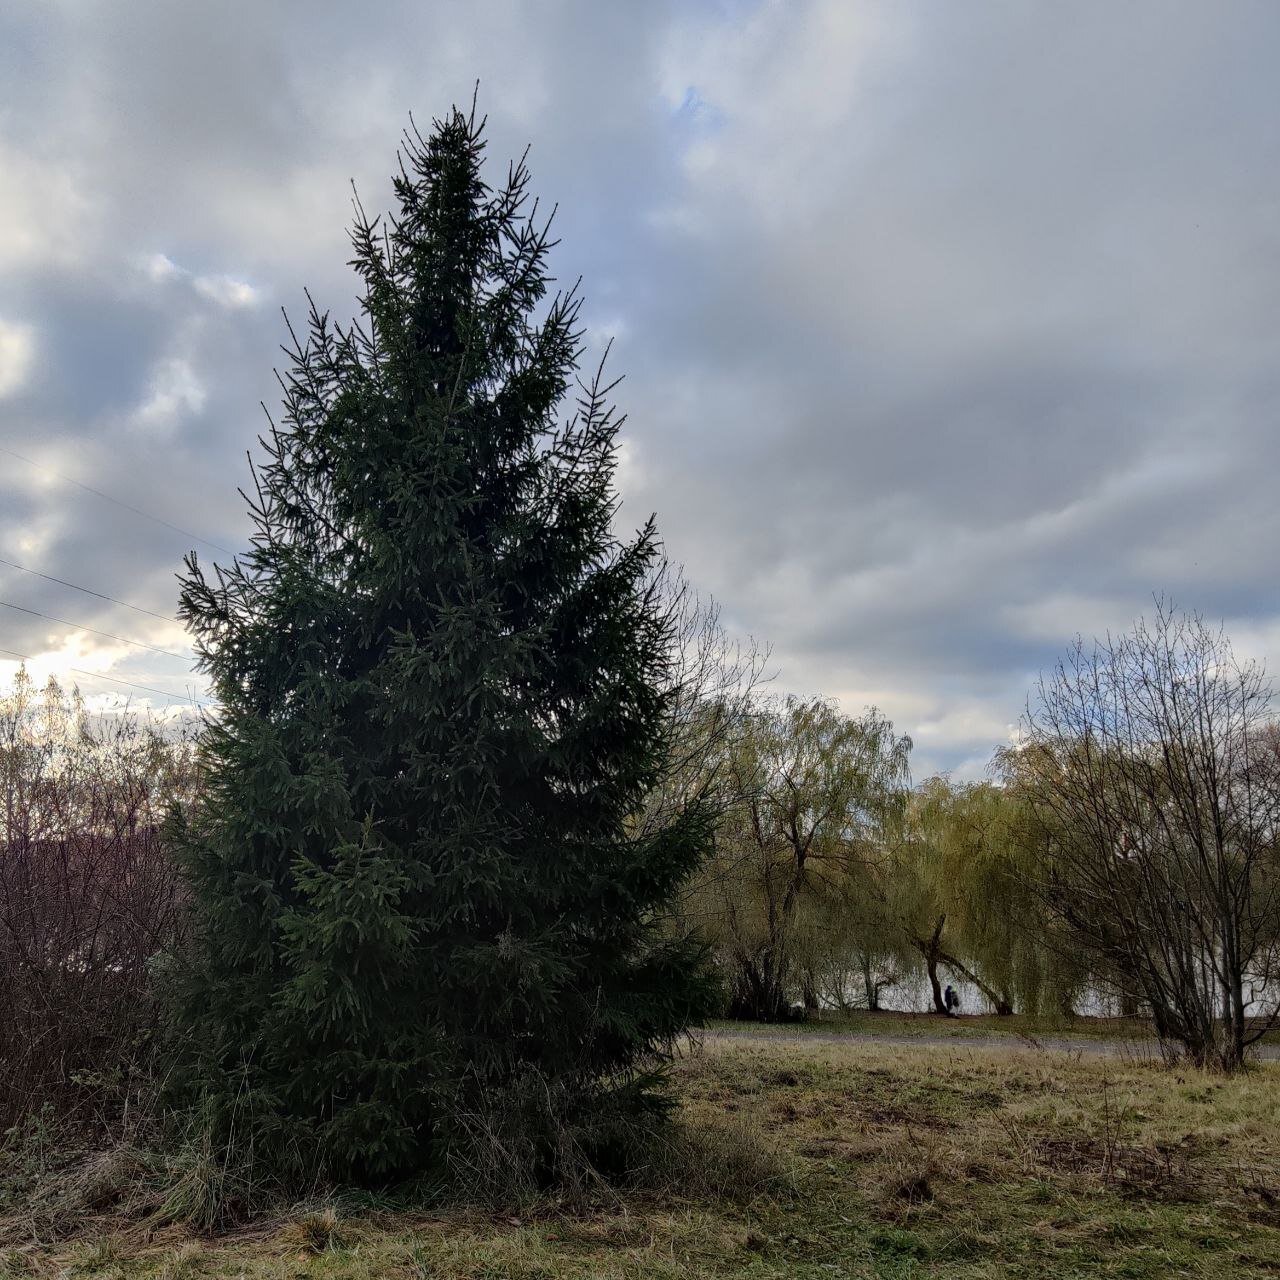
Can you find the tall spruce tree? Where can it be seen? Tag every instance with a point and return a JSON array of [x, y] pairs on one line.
[[444, 688]]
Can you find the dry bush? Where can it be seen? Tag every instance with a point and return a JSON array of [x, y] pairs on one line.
[[510, 1146], [914, 1170], [315, 1230], [89, 901], [537, 1136], [111, 1183], [725, 1159], [537, 1139]]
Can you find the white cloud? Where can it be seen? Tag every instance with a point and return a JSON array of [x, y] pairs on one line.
[[174, 391], [962, 726], [158, 267], [17, 351], [631, 473], [43, 214], [1057, 617], [947, 328], [227, 291], [771, 97]]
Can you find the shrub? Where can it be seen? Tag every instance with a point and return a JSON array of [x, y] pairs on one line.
[[89, 902]]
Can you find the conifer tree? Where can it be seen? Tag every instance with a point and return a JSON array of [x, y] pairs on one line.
[[444, 694]]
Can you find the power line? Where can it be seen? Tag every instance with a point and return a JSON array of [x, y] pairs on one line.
[[98, 675], [137, 511], [62, 582], [35, 613]]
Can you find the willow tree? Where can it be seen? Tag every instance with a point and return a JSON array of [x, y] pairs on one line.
[[421, 892], [818, 791], [965, 900]]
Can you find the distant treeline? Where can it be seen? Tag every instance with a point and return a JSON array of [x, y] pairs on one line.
[[1125, 844]]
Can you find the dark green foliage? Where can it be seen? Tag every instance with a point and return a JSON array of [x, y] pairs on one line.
[[445, 691]]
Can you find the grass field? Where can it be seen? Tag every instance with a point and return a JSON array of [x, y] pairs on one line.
[[820, 1159], [964, 1026], [1134, 1032]]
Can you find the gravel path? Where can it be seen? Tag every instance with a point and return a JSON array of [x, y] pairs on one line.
[[1084, 1045]]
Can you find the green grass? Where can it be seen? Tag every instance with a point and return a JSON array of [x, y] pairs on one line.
[[818, 1159]]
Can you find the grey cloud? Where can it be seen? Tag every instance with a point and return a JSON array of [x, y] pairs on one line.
[[947, 330]]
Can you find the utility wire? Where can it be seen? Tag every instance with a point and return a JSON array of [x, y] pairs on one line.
[[98, 675], [62, 582], [35, 613], [137, 511]]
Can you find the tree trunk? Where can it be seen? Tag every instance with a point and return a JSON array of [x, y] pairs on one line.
[[998, 1002], [872, 987], [758, 993], [931, 950], [1234, 1056], [939, 1000], [809, 995]]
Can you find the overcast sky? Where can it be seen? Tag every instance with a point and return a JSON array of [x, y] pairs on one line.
[[950, 330]]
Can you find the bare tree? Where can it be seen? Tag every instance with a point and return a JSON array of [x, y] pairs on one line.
[[1150, 763], [712, 681]]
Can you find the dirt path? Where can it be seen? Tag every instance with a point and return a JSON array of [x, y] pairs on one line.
[[1141, 1050]]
